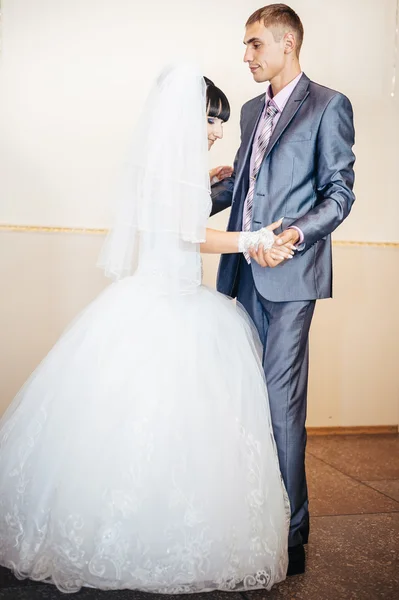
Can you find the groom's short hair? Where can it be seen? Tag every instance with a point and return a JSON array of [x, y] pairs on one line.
[[279, 16]]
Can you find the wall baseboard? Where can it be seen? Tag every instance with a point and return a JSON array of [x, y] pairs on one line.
[[360, 430]]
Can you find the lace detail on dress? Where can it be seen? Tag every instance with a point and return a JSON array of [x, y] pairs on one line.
[[59, 553]]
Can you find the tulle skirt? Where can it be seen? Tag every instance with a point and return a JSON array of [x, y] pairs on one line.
[[140, 453]]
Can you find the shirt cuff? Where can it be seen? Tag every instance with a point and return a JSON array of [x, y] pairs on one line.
[[301, 236]]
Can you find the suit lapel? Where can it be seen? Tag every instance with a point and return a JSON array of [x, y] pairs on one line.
[[295, 101], [298, 96]]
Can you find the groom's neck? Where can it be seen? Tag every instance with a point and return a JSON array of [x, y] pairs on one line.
[[286, 75]]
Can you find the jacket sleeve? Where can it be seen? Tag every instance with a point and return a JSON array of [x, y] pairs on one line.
[[334, 173]]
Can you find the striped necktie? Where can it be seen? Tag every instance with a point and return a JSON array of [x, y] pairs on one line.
[[259, 149]]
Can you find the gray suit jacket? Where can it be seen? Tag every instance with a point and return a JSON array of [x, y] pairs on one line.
[[306, 177]]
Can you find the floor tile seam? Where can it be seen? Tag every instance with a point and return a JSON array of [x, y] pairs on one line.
[[367, 514], [362, 482], [380, 492], [379, 480]]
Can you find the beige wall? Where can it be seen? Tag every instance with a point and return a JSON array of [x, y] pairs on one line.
[[73, 75]]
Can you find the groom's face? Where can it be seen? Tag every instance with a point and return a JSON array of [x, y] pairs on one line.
[[265, 56]]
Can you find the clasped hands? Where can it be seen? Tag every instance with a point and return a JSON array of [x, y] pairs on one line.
[[284, 244], [283, 248]]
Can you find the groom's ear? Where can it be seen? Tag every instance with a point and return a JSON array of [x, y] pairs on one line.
[[289, 42]]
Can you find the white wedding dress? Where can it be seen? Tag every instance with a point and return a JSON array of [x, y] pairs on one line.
[[140, 453]]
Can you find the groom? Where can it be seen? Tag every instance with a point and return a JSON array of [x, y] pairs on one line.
[[295, 161]]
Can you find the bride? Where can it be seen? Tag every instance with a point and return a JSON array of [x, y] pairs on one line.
[[140, 452]]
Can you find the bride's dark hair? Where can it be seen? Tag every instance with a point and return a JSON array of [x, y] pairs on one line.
[[217, 104]]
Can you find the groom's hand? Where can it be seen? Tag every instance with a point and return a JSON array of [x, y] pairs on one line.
[[288, 238], [282, 249]]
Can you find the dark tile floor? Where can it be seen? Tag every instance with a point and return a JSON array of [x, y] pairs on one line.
[[354, 544]]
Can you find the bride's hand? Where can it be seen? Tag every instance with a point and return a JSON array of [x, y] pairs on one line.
[[219, 173]]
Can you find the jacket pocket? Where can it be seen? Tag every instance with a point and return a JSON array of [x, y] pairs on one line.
[[300, 136]]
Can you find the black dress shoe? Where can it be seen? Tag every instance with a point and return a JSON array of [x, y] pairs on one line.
[[296, 560]]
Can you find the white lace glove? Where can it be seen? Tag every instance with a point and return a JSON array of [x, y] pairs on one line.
[[253, 239]]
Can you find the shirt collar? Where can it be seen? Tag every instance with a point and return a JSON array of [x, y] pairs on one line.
[[281, 99]]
